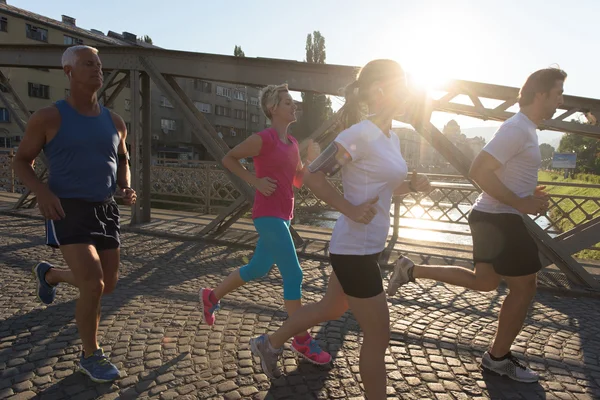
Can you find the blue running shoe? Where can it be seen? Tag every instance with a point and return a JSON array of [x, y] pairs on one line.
[[45, 292], [98, 368]]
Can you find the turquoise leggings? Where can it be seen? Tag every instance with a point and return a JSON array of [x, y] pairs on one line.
[[275, 246]]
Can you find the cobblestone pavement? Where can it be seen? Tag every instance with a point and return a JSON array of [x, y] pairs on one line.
[[151, 328]]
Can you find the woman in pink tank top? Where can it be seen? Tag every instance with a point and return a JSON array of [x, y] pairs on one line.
[[278, 169]]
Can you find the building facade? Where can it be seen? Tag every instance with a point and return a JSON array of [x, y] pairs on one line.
[[233, 110], [38, 87]]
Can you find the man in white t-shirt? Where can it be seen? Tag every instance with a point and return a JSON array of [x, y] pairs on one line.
[[507, 171]]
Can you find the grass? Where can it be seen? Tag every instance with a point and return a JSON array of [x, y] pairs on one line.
[[568, 207]]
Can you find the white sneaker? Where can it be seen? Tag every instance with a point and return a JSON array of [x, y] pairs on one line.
[[401, 275], [510, 367]]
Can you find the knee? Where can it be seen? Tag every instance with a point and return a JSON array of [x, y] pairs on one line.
[[333, 310], [525, 289], [488, 285], [92, 287], [109, 286], [251, 272], [377, 340]]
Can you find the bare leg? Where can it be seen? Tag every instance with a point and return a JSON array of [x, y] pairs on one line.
[[373, 316], [331, 306], [84, 262], [229, 284], [483, 278], [513, 312]]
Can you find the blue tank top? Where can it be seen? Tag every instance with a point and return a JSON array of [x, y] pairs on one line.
[[82, 157]]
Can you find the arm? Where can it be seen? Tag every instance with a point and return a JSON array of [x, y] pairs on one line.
[[483, 172], [123, 170], [313, 152], [248, 148], [332, 159], [417, 183], [40, 124]]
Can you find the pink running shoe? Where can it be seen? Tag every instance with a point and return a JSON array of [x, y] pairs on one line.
[[207, 306], [311, 351]]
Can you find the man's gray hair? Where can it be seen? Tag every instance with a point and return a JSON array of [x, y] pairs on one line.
[[69, 57]]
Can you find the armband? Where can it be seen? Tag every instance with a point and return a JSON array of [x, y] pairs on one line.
[[123, 157], [328, 162]]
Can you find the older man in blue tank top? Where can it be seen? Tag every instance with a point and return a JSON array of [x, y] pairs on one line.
[[84, 143]]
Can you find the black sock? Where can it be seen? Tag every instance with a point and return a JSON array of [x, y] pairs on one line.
[[504, 357]]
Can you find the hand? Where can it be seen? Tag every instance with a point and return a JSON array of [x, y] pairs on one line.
[[49, 205], [129, 196], [364, 213], [541, 193], [420, 183], [265, 185], [313, 151], [533, 205]]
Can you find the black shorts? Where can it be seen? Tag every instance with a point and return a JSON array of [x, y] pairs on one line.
[[360, 276], [504, 241], [86, 223]]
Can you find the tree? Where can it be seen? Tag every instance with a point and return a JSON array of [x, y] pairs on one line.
[[587, 150], [316, 108], [238, 52], [146, 39], [547, 153]]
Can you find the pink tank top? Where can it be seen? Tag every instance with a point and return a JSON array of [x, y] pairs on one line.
[[278, 161]]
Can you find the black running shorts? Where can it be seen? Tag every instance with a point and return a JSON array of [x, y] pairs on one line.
[[504, 241], [86, 223], [360, 276]]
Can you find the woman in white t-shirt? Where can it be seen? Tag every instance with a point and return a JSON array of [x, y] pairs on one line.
[[373, 170]]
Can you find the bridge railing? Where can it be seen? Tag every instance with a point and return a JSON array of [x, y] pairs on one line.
[[203, 187]]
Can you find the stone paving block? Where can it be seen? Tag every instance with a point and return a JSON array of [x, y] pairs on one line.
[[150, 327]]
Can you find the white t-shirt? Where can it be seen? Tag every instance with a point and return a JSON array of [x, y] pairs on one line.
[[377, 169], [515, 145]]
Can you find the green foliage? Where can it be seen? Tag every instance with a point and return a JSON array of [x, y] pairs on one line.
[[238, 52], [587, 150], [316, 108]]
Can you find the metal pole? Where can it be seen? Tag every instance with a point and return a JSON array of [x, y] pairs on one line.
[[146, 148], [135, 136]]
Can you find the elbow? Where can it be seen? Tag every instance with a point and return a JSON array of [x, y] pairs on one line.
[[226, 161]]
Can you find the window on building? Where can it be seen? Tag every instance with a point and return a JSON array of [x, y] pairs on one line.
[[202, 86], [127, 105], [70, 40], [38, 90], [254, 101], [167, 124], [223, 111], [202, 107], [36, 33], [239, 95], [239, 114], [254, 118], [3, 24], [4, 115], [223, 91], [164, 102]]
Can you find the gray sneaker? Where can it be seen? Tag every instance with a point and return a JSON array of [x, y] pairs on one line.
[[401, 275], [269, 358], [510, 367]]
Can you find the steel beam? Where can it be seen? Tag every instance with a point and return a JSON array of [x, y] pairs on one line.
[[581, 237], [122, 84], [135, 140], [146, 149], [300, 76]]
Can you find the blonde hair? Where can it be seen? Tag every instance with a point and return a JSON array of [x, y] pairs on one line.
[[69, 57], [269, 97]]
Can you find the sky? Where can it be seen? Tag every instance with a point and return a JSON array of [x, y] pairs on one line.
[[492, 41]]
